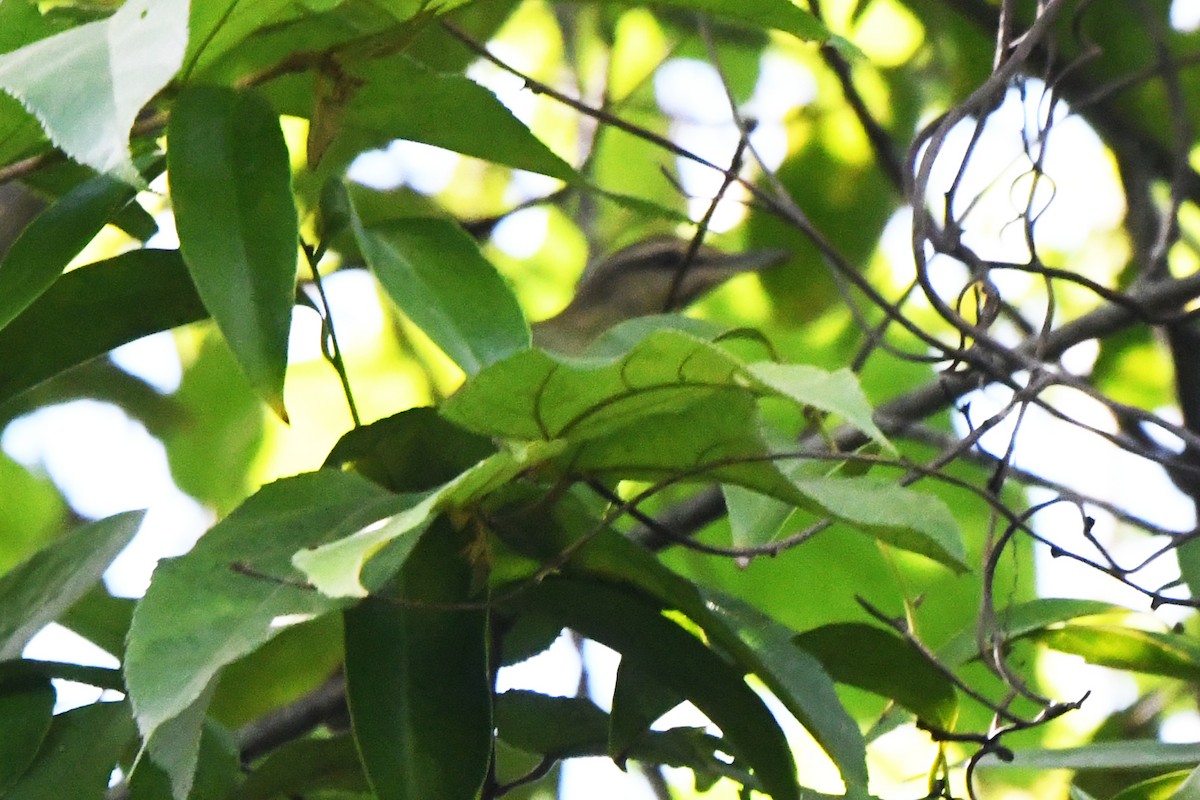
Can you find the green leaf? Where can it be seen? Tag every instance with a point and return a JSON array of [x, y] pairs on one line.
[[1190, 788], [293, 664], [878, 661], [716, 438], [236, 589], [413, 451], [436, 275], [533, 395], [754, 519], [754, 641], [215, 775], [230, 181], [910, 520], [36, 592], [78, 755], [174, 747], [403, 100], [638, 700], [38, 257], [569, 727], [1133, 754], [417, 679], [1126, 648], [100, 677], [87, 84], [306, 766], [1159, 788], [336, 568], [1021, 619], [638, 383], [800, 682], [26, 705], [635, 628], [216, 26], [836, 392], [777, 14], [22, 23], [150, 287], [558, 727]]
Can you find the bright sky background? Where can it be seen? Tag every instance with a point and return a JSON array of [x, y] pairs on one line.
[[106, 463]]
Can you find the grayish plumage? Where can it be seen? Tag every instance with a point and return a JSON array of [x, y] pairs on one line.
[[636, 281]]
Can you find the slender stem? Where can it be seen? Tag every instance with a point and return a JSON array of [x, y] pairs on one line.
[[329, 342]]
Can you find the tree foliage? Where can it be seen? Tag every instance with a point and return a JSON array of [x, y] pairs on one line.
[[816, 504]]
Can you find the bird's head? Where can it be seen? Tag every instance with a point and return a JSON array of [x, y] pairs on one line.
[[651, 277]]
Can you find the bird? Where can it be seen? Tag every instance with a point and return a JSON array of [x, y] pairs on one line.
[[652, 276]]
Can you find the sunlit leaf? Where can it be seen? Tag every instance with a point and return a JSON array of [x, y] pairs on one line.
[[213, 772], [1021, 619], [237, 589], [87, 84], [1190, 788], [174, 748], [533, 395], [905, 518], [1132, 754], [335, 568], [436, 275], [1159, 788], [1169, 654], [836, 392]]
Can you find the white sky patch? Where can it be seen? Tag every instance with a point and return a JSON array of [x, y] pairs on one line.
[[598, 778], [1091, 465], [376, 169], [1185, 15], [56, 643], [527, 185], [105, 463], [425, 168], [154, 359], [691, 90], [358, 316], [522, 233], [784, 85], [554, 671], [1182, 727], [1078, 195], [288, 620], [508, 88]]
